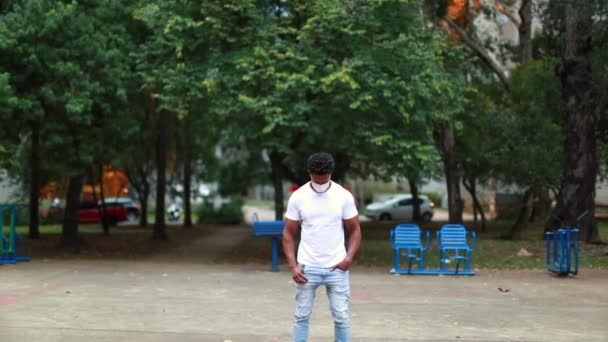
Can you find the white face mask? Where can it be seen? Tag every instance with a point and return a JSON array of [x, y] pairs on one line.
[[320, 187]]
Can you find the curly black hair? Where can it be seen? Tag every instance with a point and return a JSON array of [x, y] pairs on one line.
[[321, 163]]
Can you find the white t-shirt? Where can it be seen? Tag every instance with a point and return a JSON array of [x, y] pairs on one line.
[[320, 216]]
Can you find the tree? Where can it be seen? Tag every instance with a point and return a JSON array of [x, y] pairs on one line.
[[365, 77], [575, 201], [534, 138], [187, 42], [67, 68]]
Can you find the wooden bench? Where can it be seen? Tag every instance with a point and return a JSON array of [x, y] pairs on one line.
[[274, 229], [408, 237], [454, 238]]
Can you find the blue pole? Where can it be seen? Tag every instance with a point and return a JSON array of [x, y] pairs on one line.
[[2, 238], [563, 252], [13, 234], [275, 254], [569, 251], [576, 238], [396, 259], [555, 252], [548, 240]]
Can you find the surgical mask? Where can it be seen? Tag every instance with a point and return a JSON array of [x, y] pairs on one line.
[[320, 187]]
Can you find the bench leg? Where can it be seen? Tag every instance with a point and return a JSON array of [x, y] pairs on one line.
[[275, 255], [396, 259], [421, 261]]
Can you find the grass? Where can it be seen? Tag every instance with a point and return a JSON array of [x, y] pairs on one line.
[[55, 229], [492, 251], [260, 203]]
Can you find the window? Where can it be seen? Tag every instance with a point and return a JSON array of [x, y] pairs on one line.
[[404, 202]]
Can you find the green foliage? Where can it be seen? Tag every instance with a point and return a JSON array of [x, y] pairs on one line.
[[236, 175], [68, 67], [363, 80], [534, 134], [435, 197], [517, 139], [229, 213], [52, 216]]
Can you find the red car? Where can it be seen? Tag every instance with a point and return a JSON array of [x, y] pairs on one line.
[[91, 213]]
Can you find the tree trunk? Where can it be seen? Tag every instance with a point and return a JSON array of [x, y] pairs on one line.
[[105, 220], [415, 202], [473, 192], [69, 233], [471, 186], [448, 150], [138, 178], [525, 31], [579, 171], [160, 230], [541, 204], [187, 173], [522, 218], [277, 181], [481, 52], [144, 195], [34, 204]]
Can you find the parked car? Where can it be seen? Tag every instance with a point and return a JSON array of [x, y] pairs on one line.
[[174, 211], [400, 208], [91, 213], [133, 209]]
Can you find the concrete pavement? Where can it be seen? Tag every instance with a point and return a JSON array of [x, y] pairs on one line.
[[76, 300]]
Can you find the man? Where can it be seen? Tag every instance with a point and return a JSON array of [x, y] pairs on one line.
[[321, 208]]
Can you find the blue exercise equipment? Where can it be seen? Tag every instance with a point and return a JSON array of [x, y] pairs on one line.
[[408, 238], [454, 242], [562, 251], [274, 229], [11, 244]]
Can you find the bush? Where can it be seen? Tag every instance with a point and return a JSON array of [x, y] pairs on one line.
[[52, 216], [228, 213], [435, 197]]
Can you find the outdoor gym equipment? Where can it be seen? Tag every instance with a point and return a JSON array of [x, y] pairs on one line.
[[454, 241], [562, 248], [562, 251], [274, 229], [11, 244]]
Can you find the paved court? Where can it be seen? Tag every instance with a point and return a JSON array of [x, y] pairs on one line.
[[78, 300]]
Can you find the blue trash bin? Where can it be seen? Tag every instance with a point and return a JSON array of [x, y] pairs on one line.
[[562, 251]]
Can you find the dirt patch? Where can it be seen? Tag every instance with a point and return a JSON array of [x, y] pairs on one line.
[[202, 242]]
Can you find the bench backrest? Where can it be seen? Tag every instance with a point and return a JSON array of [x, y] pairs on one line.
[[406, 235], [452, 235], [268, 228]]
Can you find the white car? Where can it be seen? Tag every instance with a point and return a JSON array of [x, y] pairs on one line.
[[400, 208]]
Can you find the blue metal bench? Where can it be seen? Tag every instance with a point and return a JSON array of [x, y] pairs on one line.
[[274, 229], [408, 237], [454, 238]]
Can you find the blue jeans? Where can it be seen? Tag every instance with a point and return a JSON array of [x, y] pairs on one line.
[[338, 292]]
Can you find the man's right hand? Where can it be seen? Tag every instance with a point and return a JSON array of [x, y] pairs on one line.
[[298, 275]]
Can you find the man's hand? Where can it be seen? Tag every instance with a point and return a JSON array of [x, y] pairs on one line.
[[298, 275], [344, 265]]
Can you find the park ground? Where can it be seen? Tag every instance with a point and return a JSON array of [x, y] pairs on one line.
[[198, 288]]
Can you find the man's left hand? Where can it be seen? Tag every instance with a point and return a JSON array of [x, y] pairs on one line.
[[344, 265]]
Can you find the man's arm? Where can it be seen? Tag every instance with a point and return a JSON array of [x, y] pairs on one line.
[[354, 241], [289, 248]]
